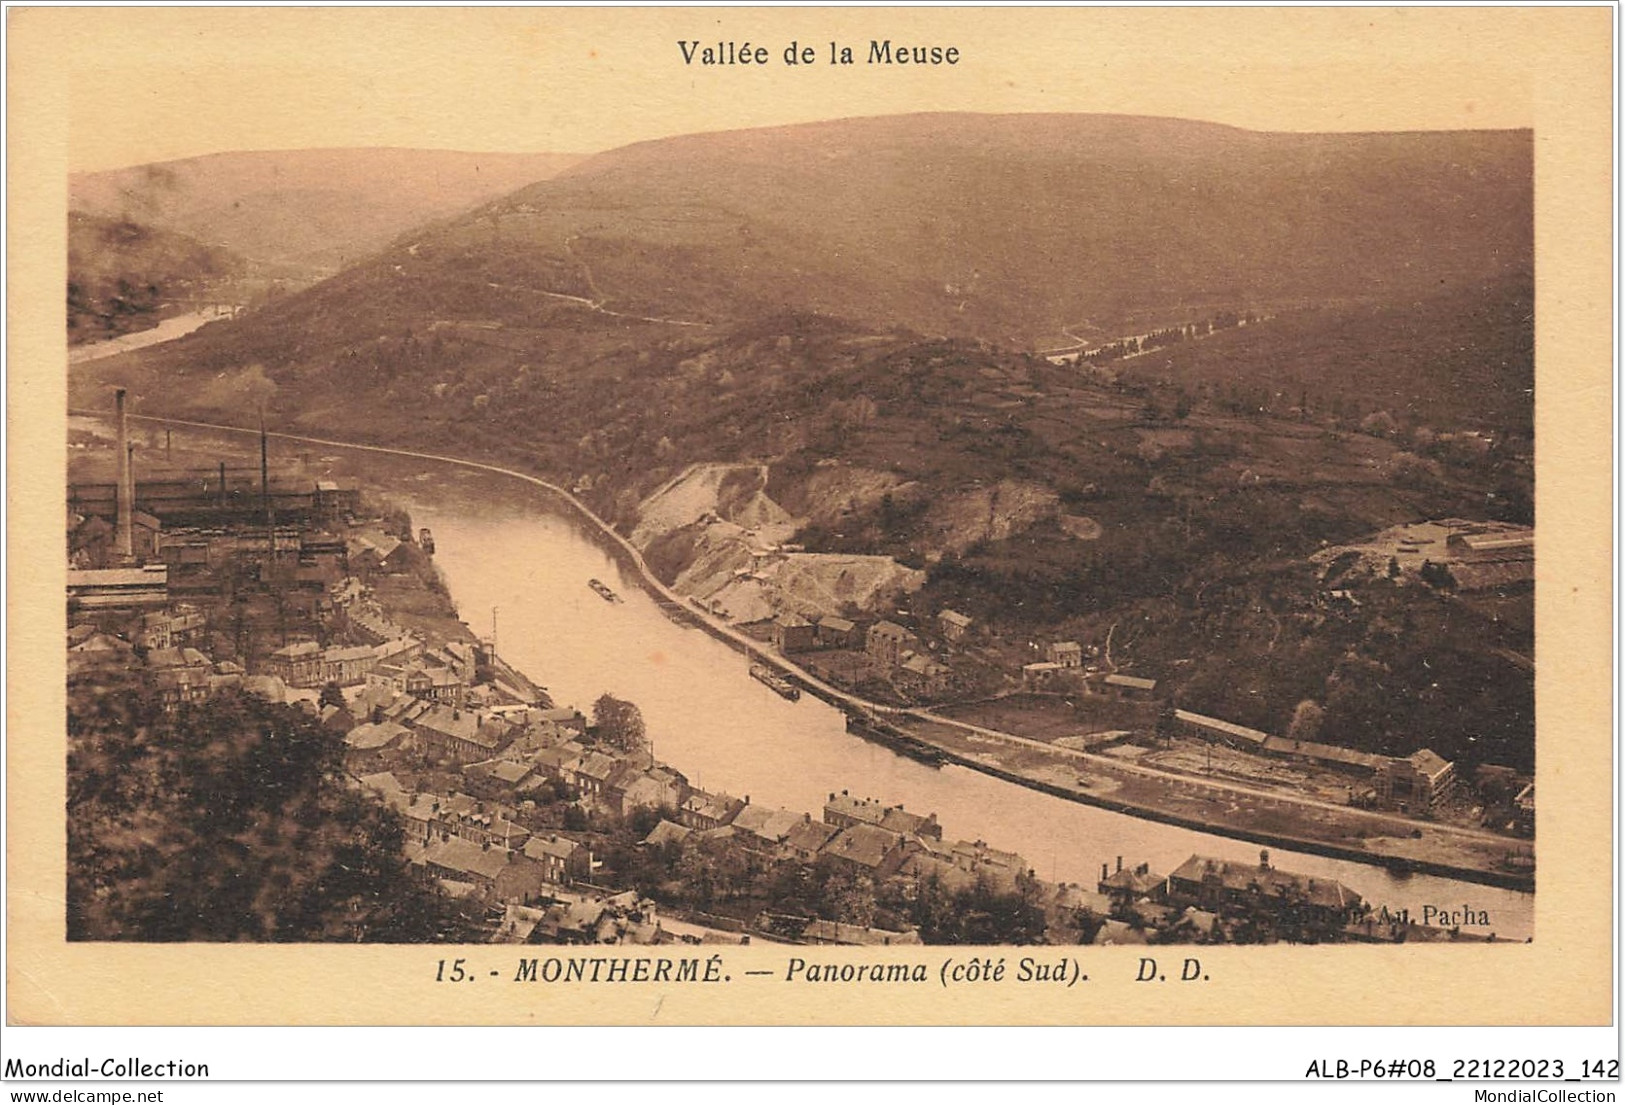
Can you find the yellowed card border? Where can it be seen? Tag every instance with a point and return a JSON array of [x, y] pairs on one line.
[[1563, 55]]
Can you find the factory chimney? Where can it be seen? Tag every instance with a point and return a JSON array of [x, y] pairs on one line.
[[126, 486], [265, 490]]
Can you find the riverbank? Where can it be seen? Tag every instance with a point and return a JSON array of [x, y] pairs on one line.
[[1230, 814], [1186, 803]]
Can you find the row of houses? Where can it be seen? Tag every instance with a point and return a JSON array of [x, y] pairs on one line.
[[479, 846], [861, 836], [180, 674], [1205, 893]]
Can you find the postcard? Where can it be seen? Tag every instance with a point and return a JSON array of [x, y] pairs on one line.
[[809, 516]]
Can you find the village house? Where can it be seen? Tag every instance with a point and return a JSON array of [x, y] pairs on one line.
[[503, 774], [708, 811], [94, 652], [336, 719], [843, 810], [866, 850], [899, 820], [763, 828], [927, 675], [632, 786], [463, 736], [348, 667], [1415, 784], [374, 737], [558, 762], [464, 861], [575, 921], [1041, 674], [886, 643], [564, 717], [954, 625], [667, 832], [1125, 886], [590, 775], [485, 823], [929, 859], [808, 838], [297, 665], [431, 684], [562, 860], [397, 651], [836, 632], [1001, 870], [167, 629], [378, 552], [793, 633], [1228, 888], [1067, 654], [181, 674], [498, 875]]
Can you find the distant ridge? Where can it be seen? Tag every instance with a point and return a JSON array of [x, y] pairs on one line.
[[321, 207], [1023, 231], [1010, 227]]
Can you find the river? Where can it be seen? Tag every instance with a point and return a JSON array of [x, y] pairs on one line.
[[167, 330], [509, 547], [726, 731]]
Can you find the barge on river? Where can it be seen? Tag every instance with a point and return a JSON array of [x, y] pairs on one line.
[[603, 592], [778, 683]]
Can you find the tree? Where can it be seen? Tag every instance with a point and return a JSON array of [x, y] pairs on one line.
[[1306, 721], [1437, 575], [332, 695], [248, 830], [619, 724]]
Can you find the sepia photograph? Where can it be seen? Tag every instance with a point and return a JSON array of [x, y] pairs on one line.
[[652, 527]]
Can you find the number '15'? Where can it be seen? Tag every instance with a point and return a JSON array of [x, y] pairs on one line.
[[456, 974]]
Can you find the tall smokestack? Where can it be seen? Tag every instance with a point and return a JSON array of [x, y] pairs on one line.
[[126, 485], [265, 491]]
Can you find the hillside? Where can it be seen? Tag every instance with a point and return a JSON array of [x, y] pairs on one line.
[[1393, 268], [124, 276], [1010, 228], [1463, 357], [303, 209]]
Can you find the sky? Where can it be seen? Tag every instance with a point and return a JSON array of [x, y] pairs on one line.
[[152, 84]]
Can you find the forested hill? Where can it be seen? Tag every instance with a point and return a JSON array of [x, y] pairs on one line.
[[124, 276]]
